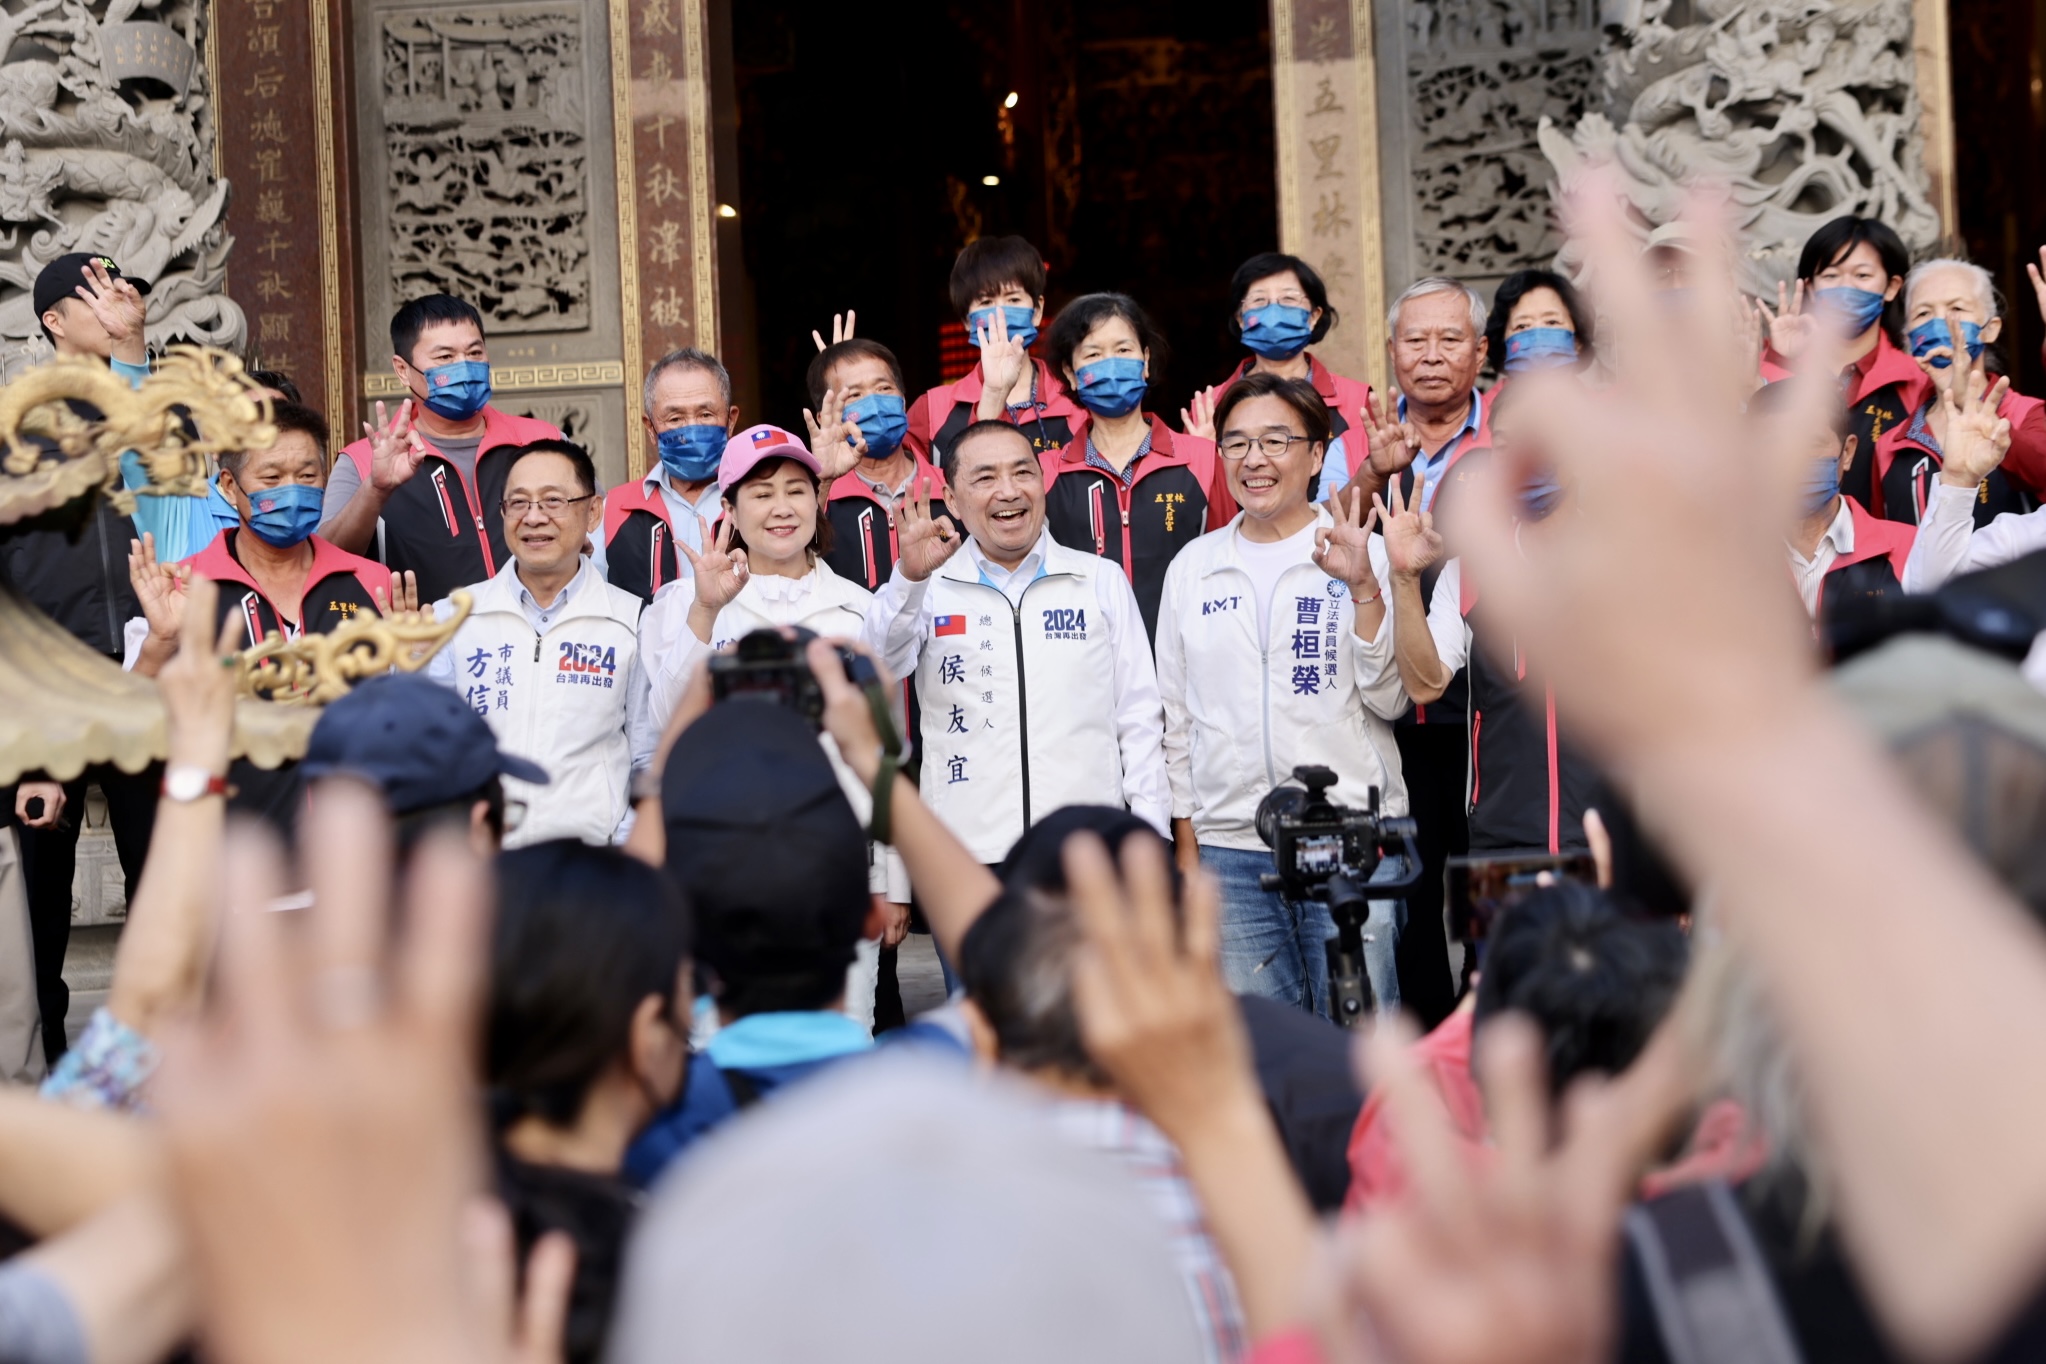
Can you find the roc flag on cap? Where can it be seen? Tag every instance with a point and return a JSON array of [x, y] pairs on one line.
[[948, 625]]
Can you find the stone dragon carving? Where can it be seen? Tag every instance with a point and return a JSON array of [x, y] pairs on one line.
[[1803, 109], [106, 145]]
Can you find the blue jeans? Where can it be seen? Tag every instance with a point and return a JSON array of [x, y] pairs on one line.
[[1277, 947]]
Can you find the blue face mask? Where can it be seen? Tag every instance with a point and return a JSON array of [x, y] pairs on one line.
[[458, 391], [1277, 331], [1113, 386], [882, 420], [1022, 324], [1540, 348], [1934, 332], [691, 454], [1821, 486], [1854, 310], [284, 516]]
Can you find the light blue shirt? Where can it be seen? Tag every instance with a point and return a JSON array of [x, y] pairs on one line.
[[1428, 469], [182, 526], [682, 518]]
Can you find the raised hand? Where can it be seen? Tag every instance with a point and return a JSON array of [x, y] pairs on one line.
[[836, 442], [1198, 419], [116, 305], [1393, 443], [1791, 328], [159, 587], [1344, 549], [402, 599], [923, 542], [1412, 544], [1002, 358], [2038, 281], [1508, 1261], [1976, 437], [396, 448], [323, 1135], [719, 571], [198, 687], [841, 330]]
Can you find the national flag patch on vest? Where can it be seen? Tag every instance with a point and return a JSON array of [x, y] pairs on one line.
[[948, 625]]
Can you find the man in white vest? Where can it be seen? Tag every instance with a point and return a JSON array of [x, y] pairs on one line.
[[1033, 670], [550, 656]]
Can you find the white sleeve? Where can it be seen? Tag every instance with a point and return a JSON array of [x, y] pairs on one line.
[[1176, 742], [133, 633], [670, 649], [600, 553], [895, 627], [641, 733], [1445, 617], [1374, 672], [1940, 549], [2010, 536], [1139, 715], [441, 667]]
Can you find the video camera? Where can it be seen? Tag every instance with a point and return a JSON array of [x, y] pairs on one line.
[[1328, 852], [770, 665]]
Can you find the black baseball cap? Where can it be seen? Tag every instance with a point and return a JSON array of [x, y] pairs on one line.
[[764, 843], [64, 276], [414, 740]]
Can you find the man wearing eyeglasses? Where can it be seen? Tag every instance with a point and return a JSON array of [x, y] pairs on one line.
[[549, 655]]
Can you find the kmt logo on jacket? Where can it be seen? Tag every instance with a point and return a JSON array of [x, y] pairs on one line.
[[588, 665], [1065, 622]]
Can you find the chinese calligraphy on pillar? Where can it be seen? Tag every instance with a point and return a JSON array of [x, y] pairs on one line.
[[1325, 89], [278, 149], [661, 93]]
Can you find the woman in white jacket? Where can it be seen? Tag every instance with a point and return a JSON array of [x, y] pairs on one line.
[[765, 569], [1271, 636]]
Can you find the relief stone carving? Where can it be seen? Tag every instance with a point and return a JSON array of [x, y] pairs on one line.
[[106, 145], [1480, 76], [1805, 108], [487, 164]]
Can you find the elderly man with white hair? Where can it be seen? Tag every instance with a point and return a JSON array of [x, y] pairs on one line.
[[1950, 311]]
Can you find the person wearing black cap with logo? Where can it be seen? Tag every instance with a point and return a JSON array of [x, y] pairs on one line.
[[435, 761], [762, 841]]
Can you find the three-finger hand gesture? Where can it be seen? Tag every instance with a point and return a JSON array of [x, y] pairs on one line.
[[1198, 417], [1412, 544], [402, 599], [836, 442], [720, 569], [1393, 443], [1791, 327], [1976, 436], [841, 330], [1344, 549], [924, 542], [159, 587], [395, 446]]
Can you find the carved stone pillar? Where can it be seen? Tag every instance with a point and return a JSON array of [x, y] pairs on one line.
[[667, 237], [1324, 86], [488, 172], [284, 146], [107, 145]]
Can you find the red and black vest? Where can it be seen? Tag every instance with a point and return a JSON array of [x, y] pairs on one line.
[[1178, 495], [338, 585], [1881, 396], [1875, 567], [639, 541], [439, 524], [863, 534], [1908, 462], [1345, 397], [1528, 787], [938, 418]]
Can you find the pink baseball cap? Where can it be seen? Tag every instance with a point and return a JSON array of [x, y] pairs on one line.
[[757, 443]]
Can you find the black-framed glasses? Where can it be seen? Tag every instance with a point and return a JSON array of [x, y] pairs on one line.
[[551, 507], [1272, 443]]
